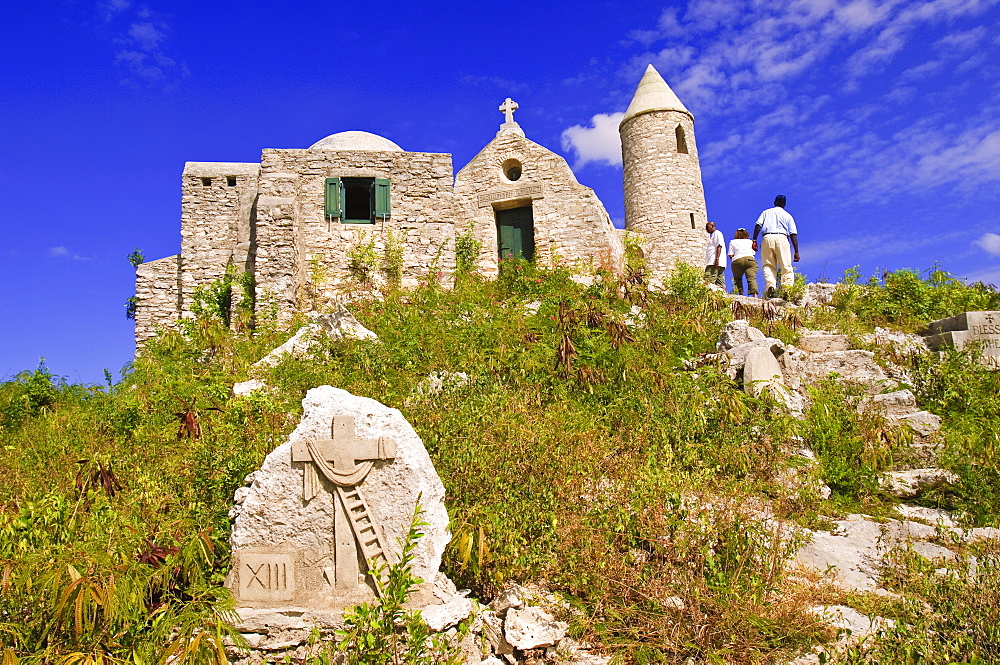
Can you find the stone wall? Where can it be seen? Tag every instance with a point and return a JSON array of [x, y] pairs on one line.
[[217, 210], [570, 222], [663, 189], [157, 291], [297, 245]]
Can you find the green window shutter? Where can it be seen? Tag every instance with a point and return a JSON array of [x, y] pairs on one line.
[[332, 198], [382, 207]]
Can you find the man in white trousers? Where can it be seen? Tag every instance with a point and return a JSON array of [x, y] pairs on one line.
[[778, 228]]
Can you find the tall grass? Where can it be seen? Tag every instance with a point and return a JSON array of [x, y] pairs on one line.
[[592, 448]]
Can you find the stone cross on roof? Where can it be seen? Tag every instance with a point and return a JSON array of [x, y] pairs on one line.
[[508, 107]]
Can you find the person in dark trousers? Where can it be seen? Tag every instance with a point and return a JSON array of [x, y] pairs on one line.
[[743, 262]]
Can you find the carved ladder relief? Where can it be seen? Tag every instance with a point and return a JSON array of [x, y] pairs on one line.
[[345, 460]]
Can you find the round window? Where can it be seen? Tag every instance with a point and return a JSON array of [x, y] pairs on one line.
[[512, 169]]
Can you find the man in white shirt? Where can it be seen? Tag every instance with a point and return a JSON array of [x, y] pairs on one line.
[[778, 228], [715, 257]]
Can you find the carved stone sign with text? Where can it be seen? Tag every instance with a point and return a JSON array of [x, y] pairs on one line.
[[528, 191], [981, 328], [265, 576]]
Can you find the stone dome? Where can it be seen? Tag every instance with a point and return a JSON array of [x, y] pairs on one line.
[[356, 141]]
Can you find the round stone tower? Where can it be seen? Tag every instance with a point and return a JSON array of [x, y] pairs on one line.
[[664, 196]]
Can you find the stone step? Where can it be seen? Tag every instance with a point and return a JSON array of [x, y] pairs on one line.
[[819, 341], [894, 404], [923, 423], [853, 365]]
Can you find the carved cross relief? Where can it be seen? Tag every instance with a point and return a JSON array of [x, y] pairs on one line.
[[345, 460]]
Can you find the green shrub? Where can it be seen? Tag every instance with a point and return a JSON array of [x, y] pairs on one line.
[[904, 297]]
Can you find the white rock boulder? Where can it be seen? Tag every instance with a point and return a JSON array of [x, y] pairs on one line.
[[275, 518]]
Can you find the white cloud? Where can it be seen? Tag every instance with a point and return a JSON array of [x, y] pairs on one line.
[[62, 252], [146, 35], [600, 142], [872, 246], [988, 276], [822, 87], [141, 35], [989, 243]]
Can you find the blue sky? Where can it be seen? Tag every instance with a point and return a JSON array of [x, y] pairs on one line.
[[879, 120]]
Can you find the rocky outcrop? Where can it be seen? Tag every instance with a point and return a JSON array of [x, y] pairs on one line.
[[336, 325]]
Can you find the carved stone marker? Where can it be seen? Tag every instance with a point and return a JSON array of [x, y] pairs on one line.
[[339, 493], [963, 329]]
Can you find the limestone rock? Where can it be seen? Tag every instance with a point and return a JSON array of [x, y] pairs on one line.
[[855, 365], [905, 344], [896, 403], [275, 517], [532, 628], [505, 601], [908, 484], [821, 341], [675, 603], [847, 618], [494, 634], [339, 324], [439, 617], [935, 516], [737, 355], [921, 422], [851, 554], [297, 346], [738, 332], [247, 387], [761, 373], [436, 383], [818, 293]]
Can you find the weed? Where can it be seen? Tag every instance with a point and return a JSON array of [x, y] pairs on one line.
[[392, 258], [467, 249], [385, 632], [362, 259]]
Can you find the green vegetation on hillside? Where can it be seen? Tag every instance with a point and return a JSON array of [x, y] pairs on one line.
[[594, 448]]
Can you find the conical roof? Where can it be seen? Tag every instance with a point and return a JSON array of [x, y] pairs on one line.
[[653, 94]]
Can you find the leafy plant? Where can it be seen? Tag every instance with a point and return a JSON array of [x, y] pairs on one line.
[[392, 258], [136, 257], [385, 632], [467, 249], [362, 259]]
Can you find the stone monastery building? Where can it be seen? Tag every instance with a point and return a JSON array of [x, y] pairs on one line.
[[299, 212]]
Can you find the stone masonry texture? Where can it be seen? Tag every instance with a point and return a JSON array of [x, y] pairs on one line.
[[268, 219], [663, 190]]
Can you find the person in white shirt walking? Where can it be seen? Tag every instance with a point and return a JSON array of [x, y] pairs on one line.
[[743, 263], [778, 227], [715, 259]]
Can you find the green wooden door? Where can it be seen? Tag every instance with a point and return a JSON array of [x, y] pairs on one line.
[[516, 233]]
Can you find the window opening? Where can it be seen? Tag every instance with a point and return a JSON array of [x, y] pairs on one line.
[[682, 146], [511, 169], [359, 199], [692, 220], [206, 182], [231, 180]]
